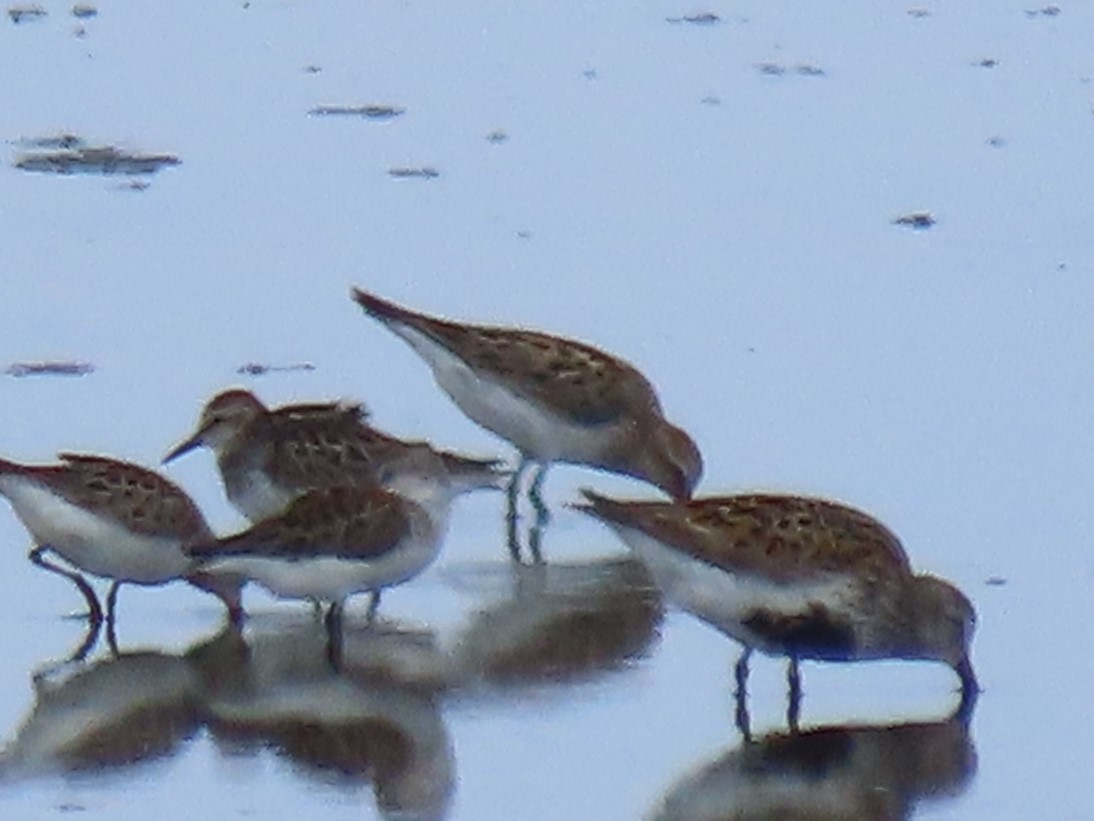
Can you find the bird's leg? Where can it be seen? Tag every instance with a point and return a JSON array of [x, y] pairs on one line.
[[111, 638], [535, 496], [535, 539], [94, 610], [740, 694], [373, 606], [333, 622], [92, 636], [512, 514], [112, 603], [316, 608], [793, 710]]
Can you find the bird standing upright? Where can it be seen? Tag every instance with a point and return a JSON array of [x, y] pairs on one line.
[[111, 519]]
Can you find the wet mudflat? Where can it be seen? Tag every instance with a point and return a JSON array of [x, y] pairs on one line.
[[735, 199]]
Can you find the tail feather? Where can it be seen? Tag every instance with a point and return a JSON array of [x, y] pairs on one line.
[[11, 467], [381, 308], [600, 507]]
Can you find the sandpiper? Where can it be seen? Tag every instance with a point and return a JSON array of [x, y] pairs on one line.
[[555, 399], [802, 577], [111, 519], [333, 542], [268, 458]]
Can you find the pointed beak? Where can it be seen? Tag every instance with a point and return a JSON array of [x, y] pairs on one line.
[[195, 441]]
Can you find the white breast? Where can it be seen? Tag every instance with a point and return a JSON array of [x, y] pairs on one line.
[[256, 497], [93, 543]]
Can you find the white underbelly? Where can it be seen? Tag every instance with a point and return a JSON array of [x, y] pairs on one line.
[[95, 545], [327, 578], [534, 430], [723, 599]]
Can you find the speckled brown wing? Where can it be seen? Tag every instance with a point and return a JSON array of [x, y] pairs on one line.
[[321, 445], [782, 538], [344, 522], [573, 379], [140, 499], [576, 380]]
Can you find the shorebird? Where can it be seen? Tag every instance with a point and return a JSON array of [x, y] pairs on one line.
[[796, 576], [111, 519], [269, 457], [333, 542], [555, 399]]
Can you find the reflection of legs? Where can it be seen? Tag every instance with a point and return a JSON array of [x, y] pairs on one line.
[[94, 610], [740, 676], [794, 680]]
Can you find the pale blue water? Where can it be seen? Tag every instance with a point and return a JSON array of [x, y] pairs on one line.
[[714, 202]]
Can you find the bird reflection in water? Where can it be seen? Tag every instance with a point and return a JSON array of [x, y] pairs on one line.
[[376, 716], [119, 710], [879, 773], [560, 622]]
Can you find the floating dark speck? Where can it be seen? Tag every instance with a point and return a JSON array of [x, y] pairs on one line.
[[497, 136], [995, 581], [24, 14], [84, 11], [705, 18], [771, 69], [424, 172], [809, 70], [369, 112], [917, 220], [919, 13], [711, 99], [1051, 10], [988, 62], [94, 160], [258, 369], [20, 369], [312, 69], [996, 142]]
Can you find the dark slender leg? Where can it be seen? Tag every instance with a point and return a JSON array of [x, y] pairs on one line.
[[740, 694], [535, 495], [373, 606], [92, 636], [94, 610], [317, 608], [794, 680], [334, 635], [512, 513], [112, 603]]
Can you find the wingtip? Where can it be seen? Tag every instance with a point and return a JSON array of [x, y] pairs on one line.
[[376, 306]]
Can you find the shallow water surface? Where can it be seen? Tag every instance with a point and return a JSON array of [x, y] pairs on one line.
[[715, 193]]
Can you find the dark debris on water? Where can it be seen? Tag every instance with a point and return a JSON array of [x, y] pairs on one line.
[[706, 18], [424, 172], [368, 112], [917, 220], [49, 368], [258, 369], [24, 14], [69, 154]]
